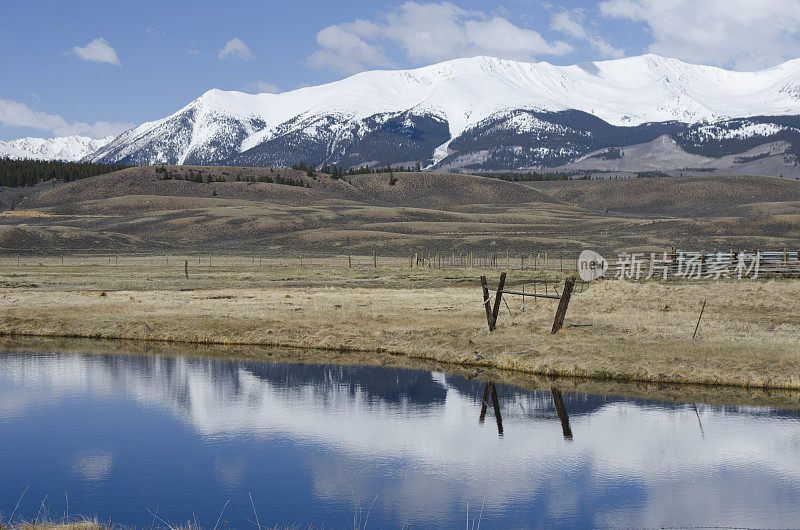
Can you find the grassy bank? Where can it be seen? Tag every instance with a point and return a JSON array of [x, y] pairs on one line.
[[749, 335]]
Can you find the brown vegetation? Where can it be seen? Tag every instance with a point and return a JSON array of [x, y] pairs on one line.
[[136, 210], [749, 336]]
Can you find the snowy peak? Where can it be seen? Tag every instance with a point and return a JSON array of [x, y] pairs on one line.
[[67, 148], [479, 104]]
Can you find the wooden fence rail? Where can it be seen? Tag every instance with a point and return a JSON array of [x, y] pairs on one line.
[[491, 315]]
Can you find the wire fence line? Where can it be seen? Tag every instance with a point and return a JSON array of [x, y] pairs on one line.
[[673, 264], [416, 260]]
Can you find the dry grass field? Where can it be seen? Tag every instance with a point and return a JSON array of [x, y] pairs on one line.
[[136, 211], [749, 335], [293, 288]]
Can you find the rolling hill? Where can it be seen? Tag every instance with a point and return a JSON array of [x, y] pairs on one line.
[[200, 209]]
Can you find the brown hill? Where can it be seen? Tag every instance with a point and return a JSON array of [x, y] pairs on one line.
[[231, 210], [672, 196], [418, 190]]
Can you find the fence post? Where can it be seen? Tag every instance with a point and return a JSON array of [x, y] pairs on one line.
[[558, 401], [186, 269], [569, 283], [486, 302], [498, 295], [374, 260]]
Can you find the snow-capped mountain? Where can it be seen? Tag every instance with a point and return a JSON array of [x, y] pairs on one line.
[[68, 148], [480, 113]]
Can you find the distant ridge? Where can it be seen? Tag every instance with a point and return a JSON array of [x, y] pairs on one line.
[[67, 148], [488, 114]]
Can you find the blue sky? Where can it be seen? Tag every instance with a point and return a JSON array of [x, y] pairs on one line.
[[95, 68]]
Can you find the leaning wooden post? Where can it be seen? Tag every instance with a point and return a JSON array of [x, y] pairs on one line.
[[498, 295], [496, 406], [558, 401], [186, 268], [486, 302], [484, 403], [569, 283], [698, 319]]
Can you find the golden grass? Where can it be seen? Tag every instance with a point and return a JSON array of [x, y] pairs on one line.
[[74, 524], [749, 335]]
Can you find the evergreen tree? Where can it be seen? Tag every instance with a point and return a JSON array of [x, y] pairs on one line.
[[20, 173]]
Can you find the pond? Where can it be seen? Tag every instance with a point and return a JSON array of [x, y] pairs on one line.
[[141, 439]]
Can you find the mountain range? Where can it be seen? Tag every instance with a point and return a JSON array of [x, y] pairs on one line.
[[481, 114], [67, 148]]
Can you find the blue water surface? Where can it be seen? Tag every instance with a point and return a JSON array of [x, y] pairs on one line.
[[140, 440]]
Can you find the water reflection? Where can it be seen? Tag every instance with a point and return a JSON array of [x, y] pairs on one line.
[[123, 434], [488, 391]]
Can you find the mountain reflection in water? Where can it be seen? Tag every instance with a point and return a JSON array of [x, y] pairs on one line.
[[124, 434]]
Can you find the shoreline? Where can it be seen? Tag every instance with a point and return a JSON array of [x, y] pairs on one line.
[[668, 392], [490, 363], [614, 331]]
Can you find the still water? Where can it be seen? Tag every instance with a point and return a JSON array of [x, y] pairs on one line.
[[126, 437]]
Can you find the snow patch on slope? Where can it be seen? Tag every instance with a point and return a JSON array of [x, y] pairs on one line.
[[745, 130]]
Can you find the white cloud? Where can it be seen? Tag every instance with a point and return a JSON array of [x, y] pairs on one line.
[[427, 33], [236, 49], [93, 465], [16, 114], [572, 23], [742, 34], [342, 48], [257, 87], [98, 51]]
